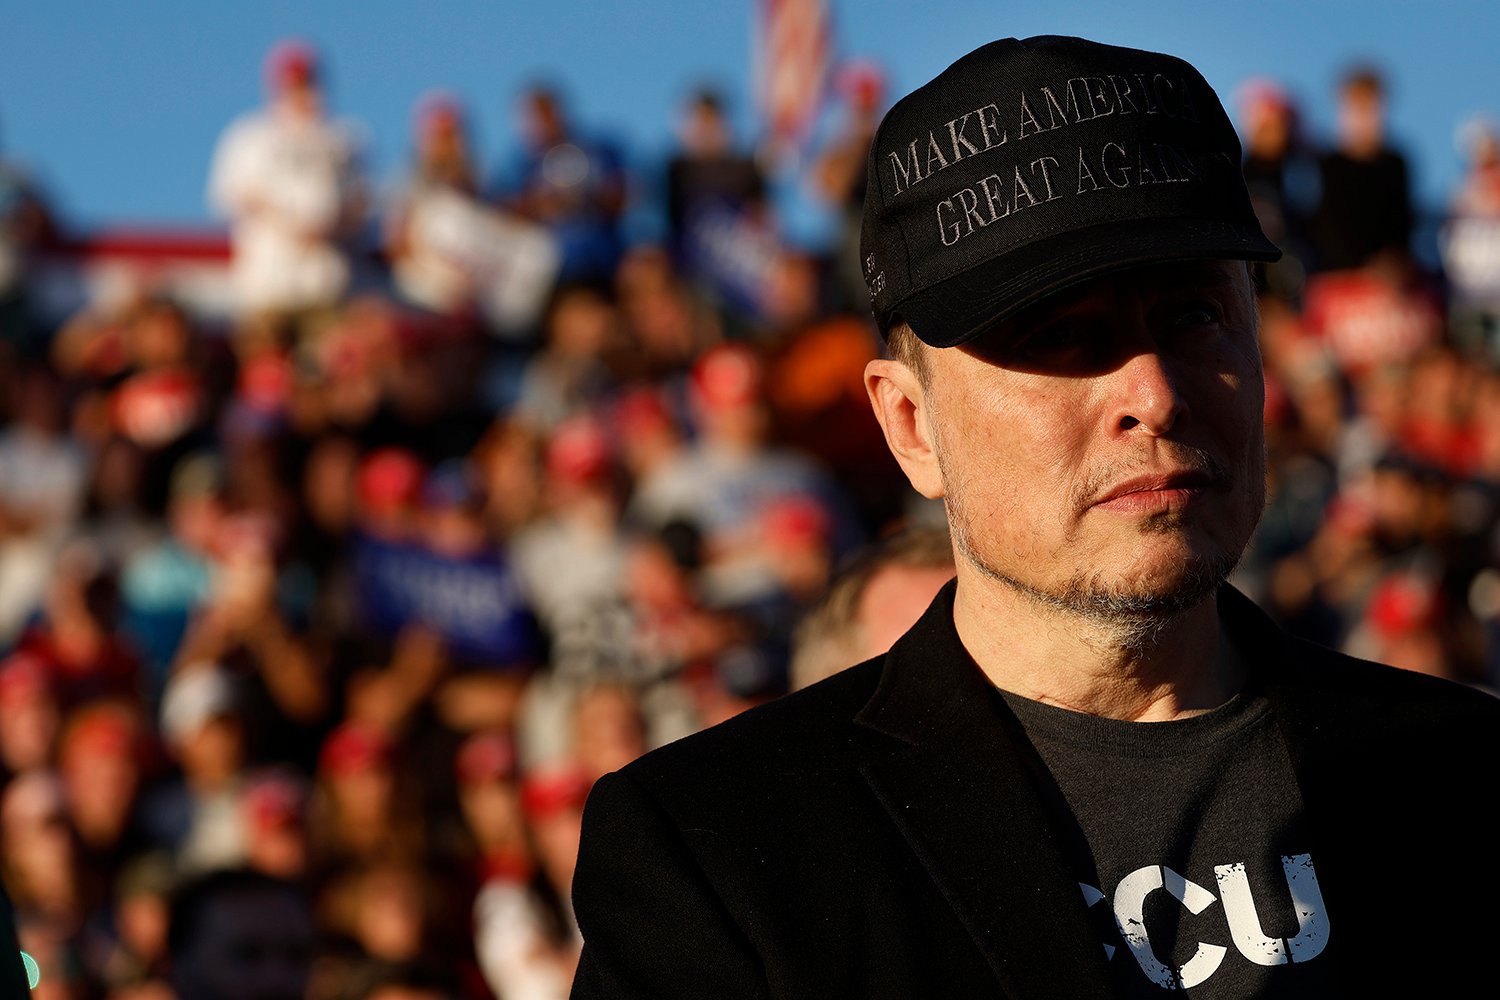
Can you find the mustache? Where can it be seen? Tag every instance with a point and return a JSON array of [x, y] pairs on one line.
[[1182, 459]]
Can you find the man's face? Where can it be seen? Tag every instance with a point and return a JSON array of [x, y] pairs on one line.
[[1103, 451]]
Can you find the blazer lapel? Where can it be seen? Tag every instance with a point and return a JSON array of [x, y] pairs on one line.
[[957, 782]]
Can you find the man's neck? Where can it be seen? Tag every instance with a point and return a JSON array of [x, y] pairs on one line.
[[1073, 661]]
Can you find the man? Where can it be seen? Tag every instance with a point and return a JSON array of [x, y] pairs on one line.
[[1364, 211], [288, 180], [573, 185], [1091, 769], [867, 607]]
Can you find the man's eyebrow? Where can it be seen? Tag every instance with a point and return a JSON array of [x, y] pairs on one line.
[[1197, 272]]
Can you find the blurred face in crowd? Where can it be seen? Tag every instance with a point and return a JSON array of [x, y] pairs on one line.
[[211, 754], [31, 717], [580, 326], [363, 795], [276, 841], [391, 915], [328, 484], [492, 810], [557, 832], [142, 918], [1103, 451], [892, 602], [401, 991], [100, 772], [41, 403], [609, 731], [1268, 127], [1361, 117], [543, 118], [793, 290], [160, 337], [704, 130], [38, 847]]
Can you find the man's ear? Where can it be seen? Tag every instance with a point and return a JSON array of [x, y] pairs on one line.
[[900, 404]]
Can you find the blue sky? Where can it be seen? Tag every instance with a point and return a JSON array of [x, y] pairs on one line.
[[117, 106]]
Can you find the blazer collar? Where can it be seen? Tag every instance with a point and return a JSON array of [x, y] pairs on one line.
[[959, 784]]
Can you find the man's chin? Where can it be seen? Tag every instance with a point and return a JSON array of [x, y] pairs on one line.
[[1135, 607], [1158, 595]]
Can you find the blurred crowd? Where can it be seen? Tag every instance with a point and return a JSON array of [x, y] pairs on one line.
[[316, 628]]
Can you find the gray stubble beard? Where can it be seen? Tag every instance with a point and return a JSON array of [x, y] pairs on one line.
[[1133, 621]]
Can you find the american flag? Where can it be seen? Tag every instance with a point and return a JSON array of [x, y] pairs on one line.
[[793, 46]]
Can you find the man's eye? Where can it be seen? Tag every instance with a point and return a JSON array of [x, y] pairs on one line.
[[1195, 314], [1055, 341]]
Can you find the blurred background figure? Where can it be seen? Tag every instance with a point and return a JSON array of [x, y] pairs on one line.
[[32, 716], [26, 225], [459, 262], [443, 172], [330, 579], [274, 808], [839, 174], [871, 602], [101, 758], [718, 219], [196, 816], [43, 474], [1281, 175], [1365, 209], [287, 179], [573, 185], [708, 171], [525, 935], [360, 813], [47, 885], [239, 935], [1471, 242]]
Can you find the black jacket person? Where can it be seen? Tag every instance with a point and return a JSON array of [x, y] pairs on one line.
[[1092, 769]]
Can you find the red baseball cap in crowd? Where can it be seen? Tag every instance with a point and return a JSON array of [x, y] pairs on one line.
[[554, 789], [727, 376], [389, 479], [861, 82], [795, 521], [291, 62], [579, 451], [486, 758], [354, 747], [438, 112], [1403, 603], [101, 730], [641, 411], [274, 801], [23, 679]]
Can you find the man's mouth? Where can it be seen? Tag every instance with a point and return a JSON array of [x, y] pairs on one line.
[[1158, 490]]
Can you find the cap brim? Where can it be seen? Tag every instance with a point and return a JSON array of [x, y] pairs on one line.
[[961, 307]]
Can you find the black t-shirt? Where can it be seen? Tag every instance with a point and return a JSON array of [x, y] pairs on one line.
[[1190, 848]]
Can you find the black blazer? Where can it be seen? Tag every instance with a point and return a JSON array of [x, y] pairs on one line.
[[880, 834]]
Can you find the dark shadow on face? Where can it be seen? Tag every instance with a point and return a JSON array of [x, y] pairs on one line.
[[1092, 328]]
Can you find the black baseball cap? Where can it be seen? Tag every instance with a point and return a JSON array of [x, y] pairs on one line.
[[1032, 164]]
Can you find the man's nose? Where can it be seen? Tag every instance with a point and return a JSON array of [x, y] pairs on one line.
[[1149, 400]]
